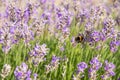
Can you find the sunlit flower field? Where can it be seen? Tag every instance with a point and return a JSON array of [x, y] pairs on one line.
[[59, 39]]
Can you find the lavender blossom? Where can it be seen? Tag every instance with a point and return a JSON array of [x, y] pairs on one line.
[[38, 54], [63, 18], [95, 66], [89, 26], [35, 76], [109, 28], [53, 64], [5, 71], [113, 46], [109, 24], [62, 48], [5, 38], [42, 1], [109, 70], [82, 16], [80, 70], [27, 34], [81, 67], [46, 17], [118, 20], [63, 21], [22, 72], [26, 16], [96, 36], [37, 27], [66, 32], [13, 14]]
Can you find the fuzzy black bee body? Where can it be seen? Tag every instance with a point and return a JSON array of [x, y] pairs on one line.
[[79, 39]]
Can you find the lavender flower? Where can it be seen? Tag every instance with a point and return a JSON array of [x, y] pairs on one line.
[[53, 64], [63, 36], [55, 59], [22, 72], [37, 27], [95, 66], [118, 20], [102, 35], [27, 34], [63, 18], [66, 32], [81, 67], [62, 48], [80, 70], [76, 5], [96, 36], [5, 71], [109, 70], [6, 48], [12, 14], [89, 26], [82, 16], [113, 46], [26, 16], [109, 24], [38, 54], [27, 13], [5, 38], [35, 76], [46, 17], [42, 1]]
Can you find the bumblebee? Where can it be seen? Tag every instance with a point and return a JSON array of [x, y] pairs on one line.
[[80, 38]]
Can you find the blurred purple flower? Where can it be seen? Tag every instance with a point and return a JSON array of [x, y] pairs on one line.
[[22, 72], [108, 23], [54, 64], [95, 63], [96, 36], [89, 26], [42, 1], [55, 59], [95, 66], [62, 48], [26, 16], [114, 45], [118, 20], [109, 67], [46, 17], [35, 76], [81, 67], [38, 54], [13, 14]]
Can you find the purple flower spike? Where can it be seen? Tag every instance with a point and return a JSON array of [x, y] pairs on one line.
[[95, 66], [55, 59], [96, 36], [38, 53], [35, 76], [53, 64], [95, 63], [109, 70], [22, 72], [81, 67], [114, 45]]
